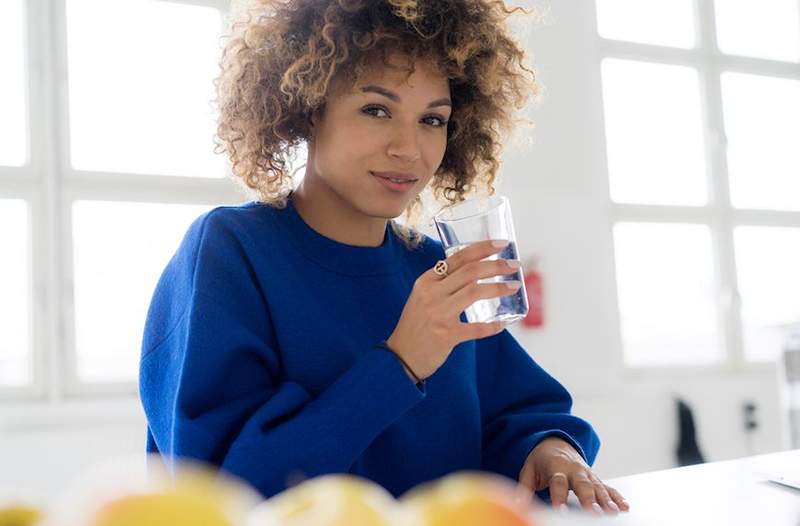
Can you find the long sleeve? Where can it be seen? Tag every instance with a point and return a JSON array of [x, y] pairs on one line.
[[521, 404], [210, 376]]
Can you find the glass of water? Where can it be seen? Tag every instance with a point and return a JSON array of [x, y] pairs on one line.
[[477, 220]]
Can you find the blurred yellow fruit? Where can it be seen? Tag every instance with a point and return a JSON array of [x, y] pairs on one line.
[[161, 509], [129, 492], [20, 515], [329, 500], [469, 499]]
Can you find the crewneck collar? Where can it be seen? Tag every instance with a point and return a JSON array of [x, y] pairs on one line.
[[339, 257]]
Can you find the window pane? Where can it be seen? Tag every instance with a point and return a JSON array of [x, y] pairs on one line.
[[768, 30], [654, 133], [13, 102], [667, 294], [120, 251], [141, 84], [767, 262], [762, 122], [647, 21], [15, 314]]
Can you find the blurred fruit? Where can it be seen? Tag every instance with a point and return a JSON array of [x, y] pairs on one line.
[[20, 515], [161, 509], [469, 499], [130, 491], [329, 500]]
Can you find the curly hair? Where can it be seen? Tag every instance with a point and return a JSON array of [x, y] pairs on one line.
[[282, 56]]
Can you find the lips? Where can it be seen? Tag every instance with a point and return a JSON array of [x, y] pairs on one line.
[[399, 177]]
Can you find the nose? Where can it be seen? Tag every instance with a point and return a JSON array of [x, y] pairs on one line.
[[404, 144]]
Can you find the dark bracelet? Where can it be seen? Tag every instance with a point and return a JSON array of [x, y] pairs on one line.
[[384, 345]]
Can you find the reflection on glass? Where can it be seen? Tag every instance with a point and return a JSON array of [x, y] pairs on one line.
[[667, 294], [654, 133], [13, 104], [769, 30], [15, 295], [120, 251], [141, 86], [767, 263], [762, 123], [647, 21]]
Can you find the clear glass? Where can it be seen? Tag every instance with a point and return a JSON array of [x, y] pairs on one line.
[[120, 251], [769, 30], [140, 102], [654, 133], [476, 220], [653, 22], [667, 294], [13, 101], [762, 123], [15, 294], [768, 271]]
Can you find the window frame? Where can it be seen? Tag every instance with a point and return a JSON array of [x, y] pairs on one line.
[[50, 185], [718, 213]]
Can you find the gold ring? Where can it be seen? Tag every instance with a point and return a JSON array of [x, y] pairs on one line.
[[441, 268]]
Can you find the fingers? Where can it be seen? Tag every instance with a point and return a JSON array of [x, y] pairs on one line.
[[472, 252], [468, 295], [473, 271], [584, 490], [559, 490], [604, 499], [617, 497]]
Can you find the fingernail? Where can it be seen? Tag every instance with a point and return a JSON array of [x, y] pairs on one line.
[[613, 506], [625, 504], [596, 508], [513, 263], [513, 285], [499, 243], [562, 509]]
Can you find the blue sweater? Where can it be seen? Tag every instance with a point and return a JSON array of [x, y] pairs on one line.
[[259, 357]]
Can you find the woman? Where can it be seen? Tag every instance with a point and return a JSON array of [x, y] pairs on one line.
[[306, 332]]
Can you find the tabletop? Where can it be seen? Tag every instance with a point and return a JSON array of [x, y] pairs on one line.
[[731, 492]]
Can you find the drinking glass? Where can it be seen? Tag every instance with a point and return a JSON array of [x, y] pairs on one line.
[[476, 220]]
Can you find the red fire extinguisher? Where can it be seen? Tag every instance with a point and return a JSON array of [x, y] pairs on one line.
[[533, 288]]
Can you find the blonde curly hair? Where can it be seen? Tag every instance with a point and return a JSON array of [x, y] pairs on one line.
[[281, 57]]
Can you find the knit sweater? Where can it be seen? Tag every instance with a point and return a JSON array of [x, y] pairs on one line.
[[259, 357]]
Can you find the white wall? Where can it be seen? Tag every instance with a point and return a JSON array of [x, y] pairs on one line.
[[557, 190]]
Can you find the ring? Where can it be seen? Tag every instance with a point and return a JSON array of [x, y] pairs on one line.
[[441, 268]]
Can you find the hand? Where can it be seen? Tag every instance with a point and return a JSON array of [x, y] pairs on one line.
[[554, 463], [429, 326]]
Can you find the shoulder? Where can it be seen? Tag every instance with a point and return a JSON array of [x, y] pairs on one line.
[[229, 223]]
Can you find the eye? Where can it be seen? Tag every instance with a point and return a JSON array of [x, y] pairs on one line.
[[441, 121], [370, 109]]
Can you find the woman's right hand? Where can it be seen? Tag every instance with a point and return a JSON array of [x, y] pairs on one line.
[[430, 325]]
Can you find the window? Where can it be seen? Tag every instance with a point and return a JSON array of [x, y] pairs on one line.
[[13, 107], [702, 118], [106, 157]]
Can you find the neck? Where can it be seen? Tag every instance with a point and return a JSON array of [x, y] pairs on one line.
[[333, 217]]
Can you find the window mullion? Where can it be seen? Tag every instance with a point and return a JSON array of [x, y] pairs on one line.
[[719, 187]]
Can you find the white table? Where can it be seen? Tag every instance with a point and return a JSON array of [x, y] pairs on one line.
[[733, 492]]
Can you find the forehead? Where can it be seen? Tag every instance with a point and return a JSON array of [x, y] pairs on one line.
[[397, 75]]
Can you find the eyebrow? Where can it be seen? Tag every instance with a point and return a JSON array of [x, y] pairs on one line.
[[396, 98]]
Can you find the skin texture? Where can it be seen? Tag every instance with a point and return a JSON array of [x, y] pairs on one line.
[[359, 132]]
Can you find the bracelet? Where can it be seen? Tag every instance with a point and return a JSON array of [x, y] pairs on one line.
[[384, 345]]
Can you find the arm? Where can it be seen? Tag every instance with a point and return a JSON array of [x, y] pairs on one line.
[[521, 405], [210, 377]]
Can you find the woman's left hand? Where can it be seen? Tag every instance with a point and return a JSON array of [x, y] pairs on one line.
[[554, 463]]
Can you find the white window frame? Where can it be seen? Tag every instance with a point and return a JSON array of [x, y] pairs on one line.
[[718, 214], [50, 185]]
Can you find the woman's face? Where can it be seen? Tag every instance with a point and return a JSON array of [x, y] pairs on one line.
[[382, 124]]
